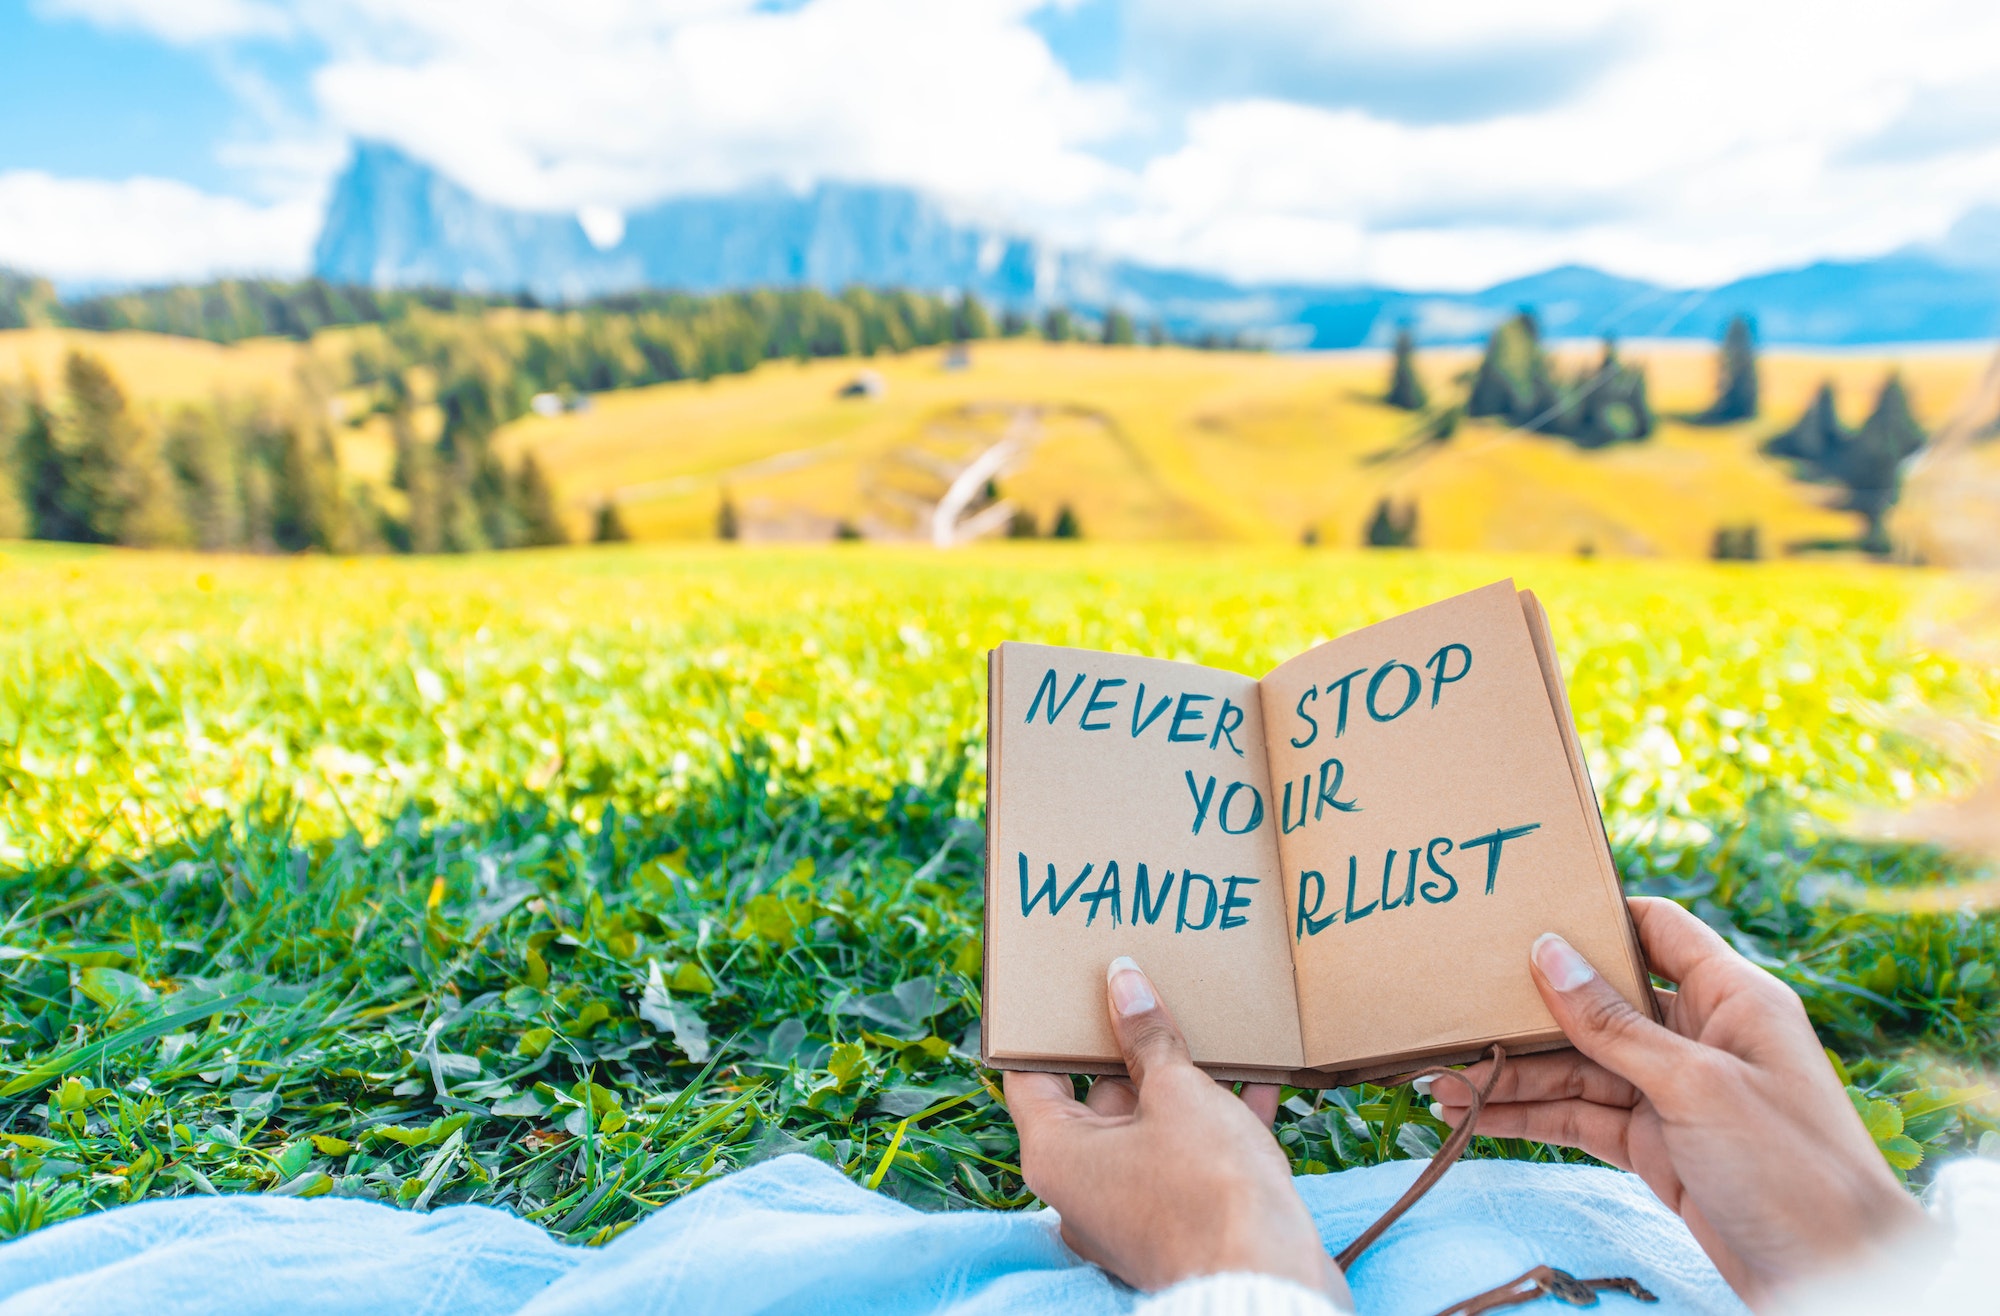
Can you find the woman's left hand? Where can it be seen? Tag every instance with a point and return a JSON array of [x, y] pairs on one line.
[[1169, 1175]]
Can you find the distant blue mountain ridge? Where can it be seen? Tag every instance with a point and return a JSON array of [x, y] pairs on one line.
[[393, 221]]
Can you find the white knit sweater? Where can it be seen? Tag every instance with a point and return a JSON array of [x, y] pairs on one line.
[[1958, 1271]]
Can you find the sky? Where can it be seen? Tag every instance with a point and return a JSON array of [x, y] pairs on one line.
[[1423, 144]]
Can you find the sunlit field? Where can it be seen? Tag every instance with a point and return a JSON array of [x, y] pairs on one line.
[[1151, 443], [1142, 443], [567, 881]]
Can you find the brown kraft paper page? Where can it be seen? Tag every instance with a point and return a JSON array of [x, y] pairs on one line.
[[1545, 654], [1431, 836], [1086, 774]]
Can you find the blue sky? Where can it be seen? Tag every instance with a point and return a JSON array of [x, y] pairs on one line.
[[1444, 143]]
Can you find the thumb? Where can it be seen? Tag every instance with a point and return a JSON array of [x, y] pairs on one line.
[[1147, 1035], [1601, 1023]]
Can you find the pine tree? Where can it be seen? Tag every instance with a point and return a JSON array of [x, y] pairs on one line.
[[116, 476], [1871, 464], [610, 526], [535, 506], [1818, 437], [205, 459], [727, 525], [969, 318], [461, 516], [1406, 390], [1868, 461], [1066, 524], [259, 504], [16, 522], [1058, 325], [1119, 331], [416, 474], [308, 512], [1735, 374], [1514, 381], [1606, 405], [1013, 324], [45, 477], [1390, 526]]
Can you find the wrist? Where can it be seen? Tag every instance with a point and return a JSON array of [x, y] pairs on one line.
[[1882, 1221], [1252, 1242]]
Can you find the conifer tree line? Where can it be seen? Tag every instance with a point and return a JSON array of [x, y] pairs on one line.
[[857, 321], [82, 462], [1866, 462], [1518, 385]]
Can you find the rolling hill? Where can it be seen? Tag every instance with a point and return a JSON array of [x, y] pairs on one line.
[[1143, 443], [1221, 447]]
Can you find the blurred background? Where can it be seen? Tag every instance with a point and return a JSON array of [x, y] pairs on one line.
[[1601, 277], [503, 507]]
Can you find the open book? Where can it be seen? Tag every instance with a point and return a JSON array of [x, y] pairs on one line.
[[1332, 874]]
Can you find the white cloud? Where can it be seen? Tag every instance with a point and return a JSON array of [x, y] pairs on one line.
[[1434, 143], [1721, 147], [1437, 61], [183, 22], [618, 104], [145, 230]]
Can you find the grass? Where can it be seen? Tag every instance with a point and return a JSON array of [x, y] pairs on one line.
[[568, 881]]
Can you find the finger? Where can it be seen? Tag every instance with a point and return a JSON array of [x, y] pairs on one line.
[[1598, 1130], [1112, 1096], [1677, 943], [1550, 1076], [1039, 1101], [1148, 1037], [1602, 1024], [1262, 1099]]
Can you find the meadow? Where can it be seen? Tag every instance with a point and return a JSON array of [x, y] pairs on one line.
[[1221, 447], [566, 881], [1143, 443]]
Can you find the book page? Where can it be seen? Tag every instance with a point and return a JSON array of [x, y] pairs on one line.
[[1431, 827], [1552, 678], [1129, 813]]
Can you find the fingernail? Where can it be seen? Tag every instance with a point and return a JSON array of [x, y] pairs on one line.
[[1422, 1085], [1560, 964], [1437, 1111], [1131, 993]]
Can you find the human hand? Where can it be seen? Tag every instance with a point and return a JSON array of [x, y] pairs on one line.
[[1167, 1175], [1730, 1112]]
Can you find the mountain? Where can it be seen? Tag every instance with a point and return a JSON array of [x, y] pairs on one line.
[[395, 222]]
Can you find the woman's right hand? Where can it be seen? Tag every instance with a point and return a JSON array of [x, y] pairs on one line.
[[1730, 1112]]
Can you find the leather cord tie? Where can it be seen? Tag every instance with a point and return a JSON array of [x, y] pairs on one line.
[[1542, 1281], [1547, 1281], [1453, 1148]]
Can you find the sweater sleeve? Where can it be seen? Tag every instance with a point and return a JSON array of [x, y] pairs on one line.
[[1954, 1268], [1237, 1294]]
